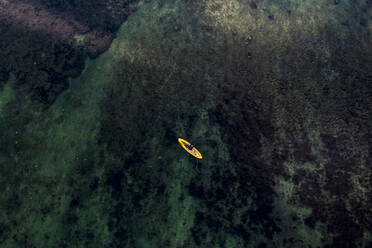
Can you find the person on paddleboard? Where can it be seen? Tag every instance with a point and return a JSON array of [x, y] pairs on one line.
[[190, 147]]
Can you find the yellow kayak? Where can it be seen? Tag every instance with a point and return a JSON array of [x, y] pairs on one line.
[[190, 148]]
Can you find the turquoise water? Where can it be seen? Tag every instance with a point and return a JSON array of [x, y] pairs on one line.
[[276, 95]]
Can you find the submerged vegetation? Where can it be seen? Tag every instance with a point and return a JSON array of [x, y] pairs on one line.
[[276, 95]]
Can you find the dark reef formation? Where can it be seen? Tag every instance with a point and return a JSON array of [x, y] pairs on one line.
[[45, 42]]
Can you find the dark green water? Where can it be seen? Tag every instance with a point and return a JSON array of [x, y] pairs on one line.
[[276, 95]]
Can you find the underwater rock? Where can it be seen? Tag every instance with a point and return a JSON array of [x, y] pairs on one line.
[[54, 37]]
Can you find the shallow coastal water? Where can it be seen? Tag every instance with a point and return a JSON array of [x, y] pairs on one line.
[[276, 95]]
